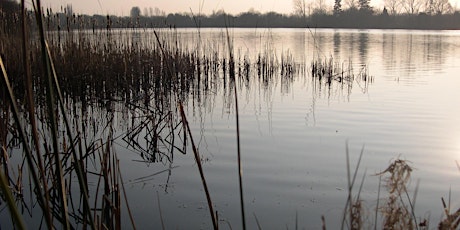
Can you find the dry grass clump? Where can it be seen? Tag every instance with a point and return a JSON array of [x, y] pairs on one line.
[[398, 212], [398, 209]]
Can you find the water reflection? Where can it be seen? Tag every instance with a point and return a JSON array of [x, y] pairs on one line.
[[363, 43], [337, 43], [416, 54]]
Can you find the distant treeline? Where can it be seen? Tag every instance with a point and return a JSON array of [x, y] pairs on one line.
[[349, 18]]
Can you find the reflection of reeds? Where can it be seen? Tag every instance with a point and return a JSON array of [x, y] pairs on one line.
[[330, 72]]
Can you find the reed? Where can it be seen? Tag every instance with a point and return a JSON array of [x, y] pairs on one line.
[[53, 200], [200, 169], [15, 214]]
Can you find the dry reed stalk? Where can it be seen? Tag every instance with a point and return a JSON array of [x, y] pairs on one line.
[[51, 102], [349, 206], [240, 168], [31, 107], [200, 168], [14, 212]]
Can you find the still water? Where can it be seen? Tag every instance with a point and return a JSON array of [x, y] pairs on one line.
[[294, 134]]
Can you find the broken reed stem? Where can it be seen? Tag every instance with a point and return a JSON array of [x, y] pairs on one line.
[[8, 196], [200, 168]]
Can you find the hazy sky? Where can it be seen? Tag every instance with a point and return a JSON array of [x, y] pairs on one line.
[[122, 7]]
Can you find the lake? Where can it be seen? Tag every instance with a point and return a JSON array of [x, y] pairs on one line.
[[295, 130], [295, 134]]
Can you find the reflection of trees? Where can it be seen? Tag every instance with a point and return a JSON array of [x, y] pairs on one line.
[[363, 43], [435, 50], [337, 44], [388, 49], [413, 55]]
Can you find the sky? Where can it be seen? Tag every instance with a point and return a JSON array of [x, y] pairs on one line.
[[123, 7]]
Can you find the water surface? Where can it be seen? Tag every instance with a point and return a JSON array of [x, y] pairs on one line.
[[294, 134]]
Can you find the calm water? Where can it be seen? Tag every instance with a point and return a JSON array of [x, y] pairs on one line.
[[295, 132]]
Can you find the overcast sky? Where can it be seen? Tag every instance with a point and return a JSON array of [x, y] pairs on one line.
[[123, 7]]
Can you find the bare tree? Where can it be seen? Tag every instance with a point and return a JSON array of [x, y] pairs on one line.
[[321, 7], [300, 8], [158, 12], [438, 7], [393, 6], [351, 4], [68, 10], [364, 5], [412, 6]]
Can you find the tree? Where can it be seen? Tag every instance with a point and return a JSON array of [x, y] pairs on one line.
[[393, 6], [437, 7], [385, 12], [337, 7], [68, 10], [320, 7], [364, 5], [135, 12], [300, 8], [412, 6], [351, 4]]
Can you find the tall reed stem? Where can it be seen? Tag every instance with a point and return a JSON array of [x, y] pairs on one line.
[[31, 108], [200, 168], [50, 98], [240, 168]]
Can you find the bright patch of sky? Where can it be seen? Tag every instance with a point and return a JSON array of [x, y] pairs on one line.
[[123, 7]]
